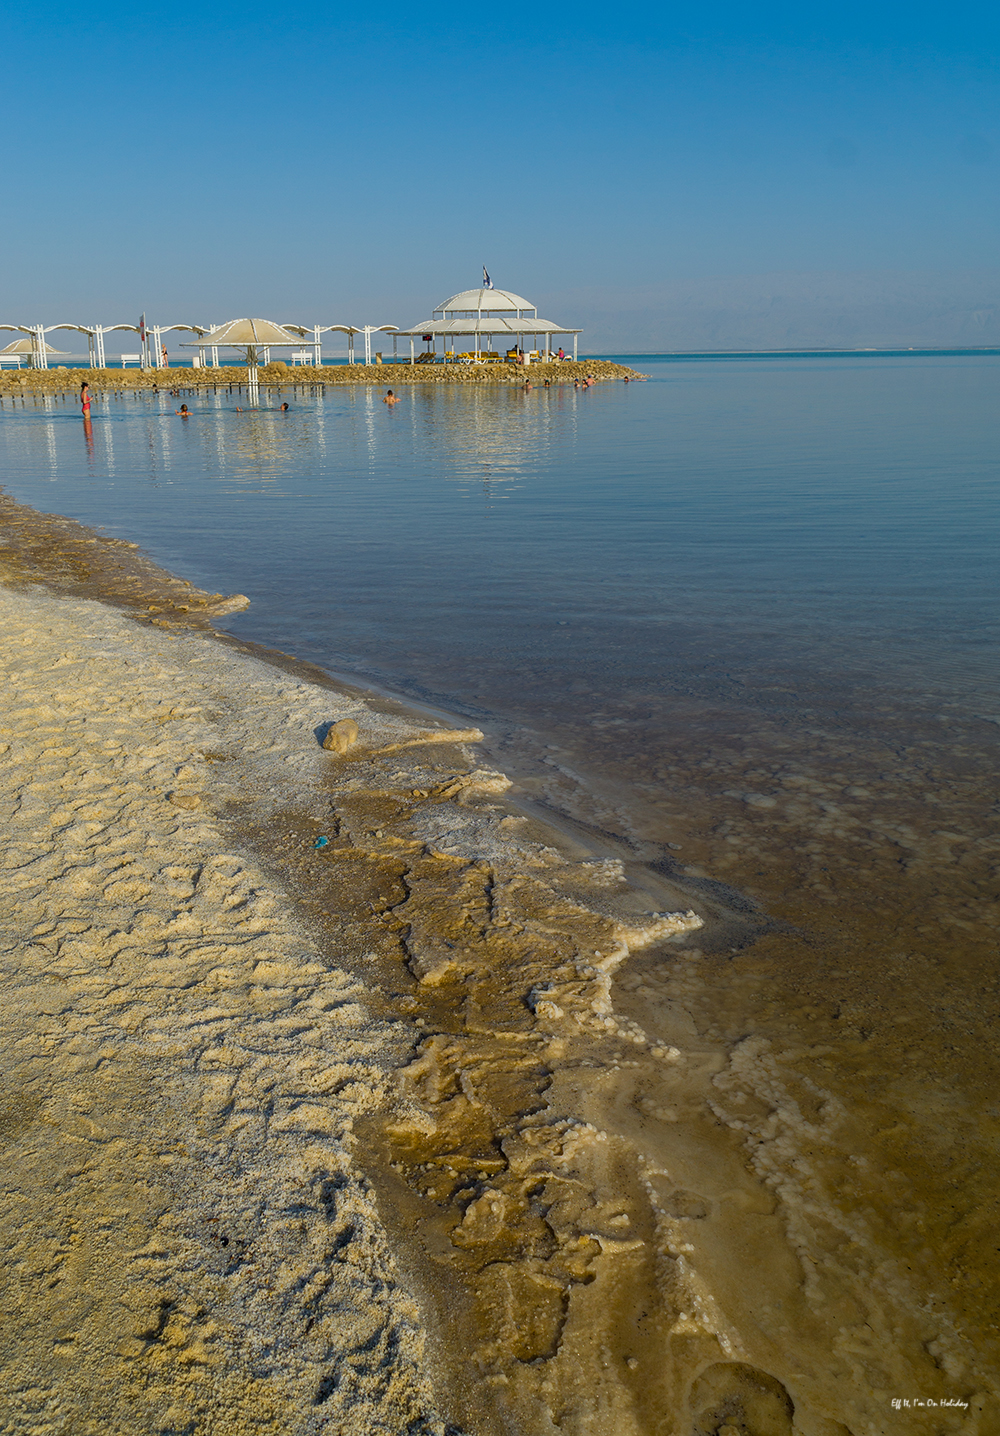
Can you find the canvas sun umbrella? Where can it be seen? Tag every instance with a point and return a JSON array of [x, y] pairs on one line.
[[250, 335], [27, 348]]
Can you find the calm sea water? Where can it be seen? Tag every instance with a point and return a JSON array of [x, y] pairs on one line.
[[741, 619], [723, 522]]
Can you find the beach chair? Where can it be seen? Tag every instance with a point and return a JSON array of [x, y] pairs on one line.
[[131, 359]]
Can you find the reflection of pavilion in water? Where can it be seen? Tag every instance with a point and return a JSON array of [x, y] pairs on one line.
[[504, 431], [258, 444]]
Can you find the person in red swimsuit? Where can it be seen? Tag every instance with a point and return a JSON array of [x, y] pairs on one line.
[[85, 399]]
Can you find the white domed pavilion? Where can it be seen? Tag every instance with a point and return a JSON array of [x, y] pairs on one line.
[[485, 314]]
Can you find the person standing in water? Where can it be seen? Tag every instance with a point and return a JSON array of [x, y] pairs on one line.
[[88, 428]]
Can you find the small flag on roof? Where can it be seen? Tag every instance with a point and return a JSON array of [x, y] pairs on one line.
[[487, 281]]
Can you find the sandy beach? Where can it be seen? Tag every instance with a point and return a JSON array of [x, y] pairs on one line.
[[323, 1107]]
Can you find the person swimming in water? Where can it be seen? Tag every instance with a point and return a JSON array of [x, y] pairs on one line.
[[390, 398], [184, 412], [284, 407]]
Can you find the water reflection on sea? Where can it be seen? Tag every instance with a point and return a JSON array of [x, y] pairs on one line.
[[737, 625]]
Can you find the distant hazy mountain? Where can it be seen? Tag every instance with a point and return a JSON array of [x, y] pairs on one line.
[[786, 311]]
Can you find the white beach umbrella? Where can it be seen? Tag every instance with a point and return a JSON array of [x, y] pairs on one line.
[[29, 347], [250, 335]]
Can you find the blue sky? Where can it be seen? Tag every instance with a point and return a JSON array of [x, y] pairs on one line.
[[304, 162]]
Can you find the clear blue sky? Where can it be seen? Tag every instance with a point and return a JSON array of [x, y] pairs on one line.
[[299, 161]]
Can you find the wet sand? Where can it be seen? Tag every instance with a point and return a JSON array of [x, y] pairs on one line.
[[448, 1120]]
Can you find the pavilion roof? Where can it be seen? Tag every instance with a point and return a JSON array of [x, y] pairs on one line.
[[486, 299], [27, 346], [487, 325]]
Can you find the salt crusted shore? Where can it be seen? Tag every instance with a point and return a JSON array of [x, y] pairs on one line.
[[224, 1044], [187, 1242], [323, 1108]]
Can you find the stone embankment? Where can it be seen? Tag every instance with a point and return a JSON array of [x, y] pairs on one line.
[[103, 381]]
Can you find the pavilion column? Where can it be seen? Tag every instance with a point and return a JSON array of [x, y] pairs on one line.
[[157, 360], [394, 352], [317, 354], [412, 357], [575, 338], [42, 361], [350, 348], [102, 362], [90, 349]]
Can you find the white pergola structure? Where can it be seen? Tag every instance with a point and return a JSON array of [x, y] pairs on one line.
[[95, 341], [150, 355], [479, 314], [258, 335], [158, 331], [350, 330]]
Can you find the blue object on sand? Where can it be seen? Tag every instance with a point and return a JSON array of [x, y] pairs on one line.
[[321, 842]]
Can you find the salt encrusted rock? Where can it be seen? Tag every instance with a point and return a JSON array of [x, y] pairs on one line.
[[232, 603], [190, 801], [341, 736]]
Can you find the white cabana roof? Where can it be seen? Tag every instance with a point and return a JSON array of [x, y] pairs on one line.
[[487, 325], [489, 301], [27, 346], [241, 333]]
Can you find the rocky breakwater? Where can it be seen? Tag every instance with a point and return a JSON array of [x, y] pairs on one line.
[[21, 384]]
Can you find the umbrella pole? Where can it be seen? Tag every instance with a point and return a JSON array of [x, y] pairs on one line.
[[253, 390]]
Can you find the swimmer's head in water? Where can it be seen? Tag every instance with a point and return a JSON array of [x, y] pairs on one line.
[[184, 408], [284, 406], [389, 393]]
